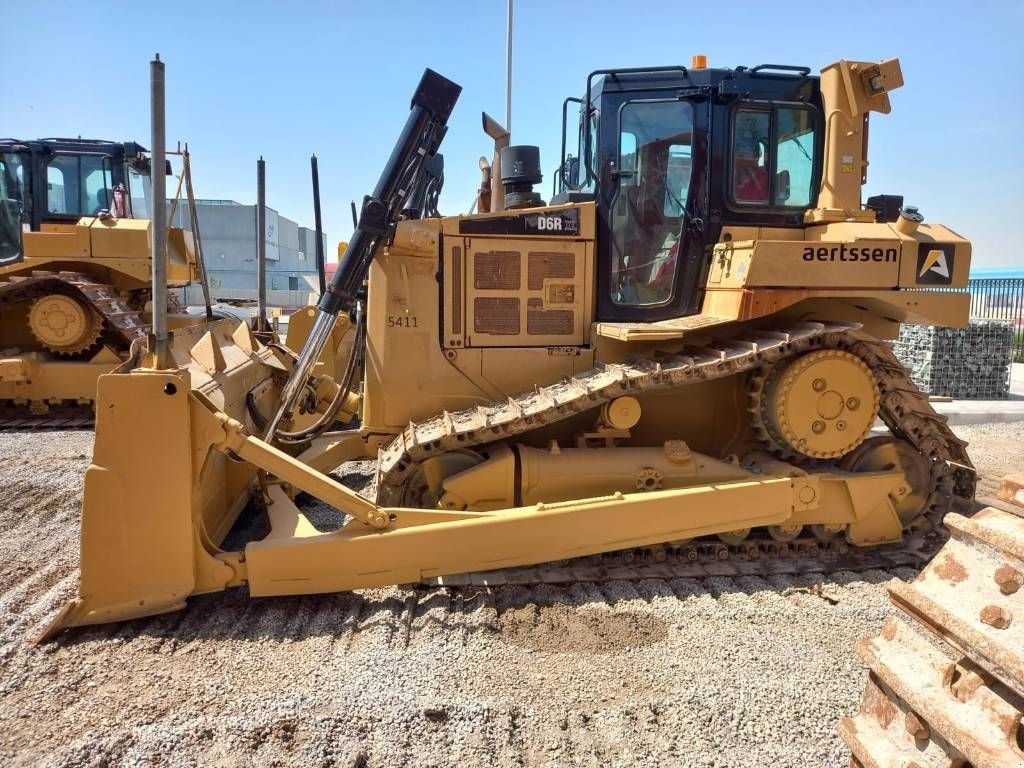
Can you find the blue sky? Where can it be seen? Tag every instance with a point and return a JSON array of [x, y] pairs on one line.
[[288, 79]]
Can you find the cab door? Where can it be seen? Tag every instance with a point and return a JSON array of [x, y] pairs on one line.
[[653, 202], [12, 201]]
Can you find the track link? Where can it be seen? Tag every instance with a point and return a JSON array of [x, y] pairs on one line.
[[756, 559], [63, 416], [120, 321], [955, 698]]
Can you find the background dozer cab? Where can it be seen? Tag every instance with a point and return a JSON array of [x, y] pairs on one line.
[[75, 267], [682, 355]]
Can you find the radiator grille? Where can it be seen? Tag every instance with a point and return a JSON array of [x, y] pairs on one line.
[[497, 270], [457, 291], [496, 316], [546, 265], [547, 322]]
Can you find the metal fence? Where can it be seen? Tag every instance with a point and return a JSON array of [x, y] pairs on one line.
[[1001, 299]]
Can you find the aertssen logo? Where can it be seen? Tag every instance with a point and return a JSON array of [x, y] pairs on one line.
[[935, 263], [844, 252]]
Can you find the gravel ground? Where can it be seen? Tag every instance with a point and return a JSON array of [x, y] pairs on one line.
[[723, 672]]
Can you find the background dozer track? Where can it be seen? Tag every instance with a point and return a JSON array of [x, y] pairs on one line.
[[118, 325]]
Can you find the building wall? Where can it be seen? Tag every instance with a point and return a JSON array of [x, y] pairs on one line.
[[228, 232]]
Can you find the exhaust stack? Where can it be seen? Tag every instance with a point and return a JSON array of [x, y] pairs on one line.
[[260, 321], [502, 139]]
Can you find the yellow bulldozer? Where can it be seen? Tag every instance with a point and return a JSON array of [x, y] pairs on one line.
[[680, 358], [75, 268]]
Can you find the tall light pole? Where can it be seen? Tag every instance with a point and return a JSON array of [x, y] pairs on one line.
[[508, 69]]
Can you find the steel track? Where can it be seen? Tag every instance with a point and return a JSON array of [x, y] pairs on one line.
[[120, 322], [618, 566], [903, 408]]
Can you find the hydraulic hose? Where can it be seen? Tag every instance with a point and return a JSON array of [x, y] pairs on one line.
[[355, 363]]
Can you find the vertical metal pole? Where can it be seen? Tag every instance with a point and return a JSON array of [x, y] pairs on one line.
[[158, 226], [508, 69], [321, 268], [193, 215], [261, 246]]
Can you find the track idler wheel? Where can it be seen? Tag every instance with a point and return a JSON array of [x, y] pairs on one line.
[[887, 453], [820, 405], [64, 325]]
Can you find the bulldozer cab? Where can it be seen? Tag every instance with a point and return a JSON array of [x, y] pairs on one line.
[[58, 181], [670, 156]]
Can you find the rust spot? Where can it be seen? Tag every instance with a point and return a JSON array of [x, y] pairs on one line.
[[889, 630], [875, 702], [950, 569]]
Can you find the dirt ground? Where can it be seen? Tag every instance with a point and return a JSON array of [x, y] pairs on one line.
[[723, 672]]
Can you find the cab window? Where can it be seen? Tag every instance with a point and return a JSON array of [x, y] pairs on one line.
[[773, 157], [78, 185], [794, 150], [750, 161], [655, 140], [141, 192]]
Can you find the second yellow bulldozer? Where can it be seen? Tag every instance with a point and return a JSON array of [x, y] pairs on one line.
[[75, 266]]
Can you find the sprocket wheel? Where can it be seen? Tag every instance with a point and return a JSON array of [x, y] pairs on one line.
[[820, 405], [63, 324]]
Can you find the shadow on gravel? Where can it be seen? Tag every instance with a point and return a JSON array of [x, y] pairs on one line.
[[584, 617]]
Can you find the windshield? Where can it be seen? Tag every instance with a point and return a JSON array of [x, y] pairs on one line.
[[12, 198], [655, 155]]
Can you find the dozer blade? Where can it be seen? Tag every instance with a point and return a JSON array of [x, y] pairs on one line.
[[175, 462], [138, 553]]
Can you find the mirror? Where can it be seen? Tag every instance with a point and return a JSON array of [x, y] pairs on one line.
[[571, 171], [141, 165]]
